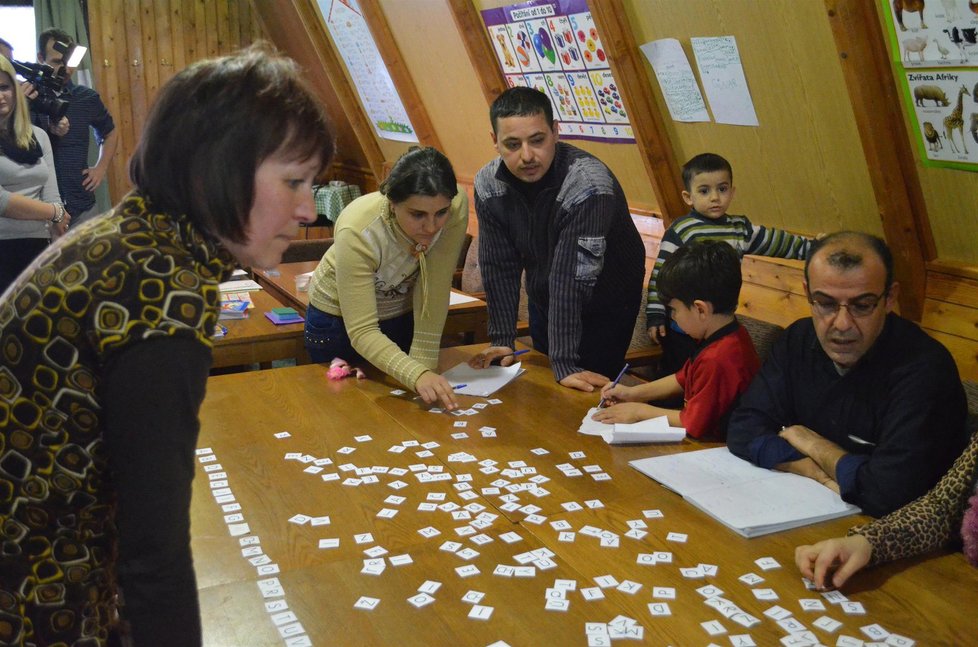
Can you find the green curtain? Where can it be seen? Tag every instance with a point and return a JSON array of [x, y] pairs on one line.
[[69, 15]]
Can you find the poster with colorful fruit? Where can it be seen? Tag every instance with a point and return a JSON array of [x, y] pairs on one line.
[[554, 46]]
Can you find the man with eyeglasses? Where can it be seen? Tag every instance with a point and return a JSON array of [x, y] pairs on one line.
[[855, 397]]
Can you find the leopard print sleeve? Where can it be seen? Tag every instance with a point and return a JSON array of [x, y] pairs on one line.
[[928, 522]]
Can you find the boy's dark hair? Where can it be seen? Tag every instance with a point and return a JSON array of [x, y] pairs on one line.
[[706, 270], [212, 126], [520, 102], [54, 34], [420, 171], [704, 163], [849, 256]]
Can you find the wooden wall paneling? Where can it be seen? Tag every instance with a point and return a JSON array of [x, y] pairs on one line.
[[647, 123], [299, 31], [222, 27], [480, 51], [178, 43], [150, 62], [112, 80], [886, 144], [199, 30], [210, 29], [376, 21], [164, 43]]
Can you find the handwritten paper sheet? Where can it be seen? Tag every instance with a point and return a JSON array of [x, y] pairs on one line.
[[676, 79], [723, 78]]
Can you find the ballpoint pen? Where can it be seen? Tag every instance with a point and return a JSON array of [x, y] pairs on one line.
[[615, 383]]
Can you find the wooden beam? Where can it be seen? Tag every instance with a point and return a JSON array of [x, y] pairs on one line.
[[376, 21], [298, 30], [635, 86], [886, 145], [481, 53]]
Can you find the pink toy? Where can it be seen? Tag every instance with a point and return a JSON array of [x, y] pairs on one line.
[[339, 368]]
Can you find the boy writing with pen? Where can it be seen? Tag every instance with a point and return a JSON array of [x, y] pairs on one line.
[[700, 283]]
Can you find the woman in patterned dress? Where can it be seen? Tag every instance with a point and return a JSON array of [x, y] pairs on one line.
[[105, 348]]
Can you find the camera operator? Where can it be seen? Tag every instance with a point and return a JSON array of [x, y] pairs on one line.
[[76, 180]]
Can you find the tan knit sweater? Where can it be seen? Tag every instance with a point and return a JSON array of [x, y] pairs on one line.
[[370, 275]]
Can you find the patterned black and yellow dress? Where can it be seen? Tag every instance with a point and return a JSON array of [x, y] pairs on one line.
[[118, 283]]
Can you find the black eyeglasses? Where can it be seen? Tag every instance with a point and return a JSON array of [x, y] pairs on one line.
[[861, 307]]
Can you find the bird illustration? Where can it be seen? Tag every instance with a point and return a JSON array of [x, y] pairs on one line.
[[943, 50]]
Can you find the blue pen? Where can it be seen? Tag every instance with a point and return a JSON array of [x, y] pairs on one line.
[[496, 361], [615, 383], [459, 386]]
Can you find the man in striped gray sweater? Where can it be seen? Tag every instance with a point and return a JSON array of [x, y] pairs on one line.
[[709, 190], [558, 213]]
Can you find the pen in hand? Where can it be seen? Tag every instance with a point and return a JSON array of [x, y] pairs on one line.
[[614, 384], [496, 361]]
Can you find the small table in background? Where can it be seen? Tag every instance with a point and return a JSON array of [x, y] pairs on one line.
[[332, 198]]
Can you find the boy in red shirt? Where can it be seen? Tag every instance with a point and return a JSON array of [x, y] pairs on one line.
[[700, 283]]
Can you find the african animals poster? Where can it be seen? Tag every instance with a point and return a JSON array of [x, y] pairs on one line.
[[935, 51], [554, 46]]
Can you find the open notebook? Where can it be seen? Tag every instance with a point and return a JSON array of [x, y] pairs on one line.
[[749, 500]]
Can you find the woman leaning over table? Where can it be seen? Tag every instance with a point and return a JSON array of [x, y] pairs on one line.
[[107, 346], [948, 514], [381, 291], [31, 212]]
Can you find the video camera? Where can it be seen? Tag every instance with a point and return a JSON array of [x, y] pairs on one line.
[[50, 85], [50, 88]]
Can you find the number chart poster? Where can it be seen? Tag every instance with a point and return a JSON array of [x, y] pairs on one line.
[[554, 46], [373, 82], [935, 52]]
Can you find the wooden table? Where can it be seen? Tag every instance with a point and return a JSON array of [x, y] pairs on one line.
[[931, 600], [256, 340], [470, 319]]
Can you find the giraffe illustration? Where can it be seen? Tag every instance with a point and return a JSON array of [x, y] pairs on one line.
[[954, 122]]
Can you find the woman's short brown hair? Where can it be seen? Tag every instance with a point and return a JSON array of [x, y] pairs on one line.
[[211, 127]]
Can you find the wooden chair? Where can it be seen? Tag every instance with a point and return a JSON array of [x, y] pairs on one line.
[[306, 250]]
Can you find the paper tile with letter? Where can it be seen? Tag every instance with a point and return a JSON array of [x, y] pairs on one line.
[[653, 430], [481, 382]]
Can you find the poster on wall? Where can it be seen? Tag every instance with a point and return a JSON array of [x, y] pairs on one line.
[[935, 47], [373, 82], [554, 46]]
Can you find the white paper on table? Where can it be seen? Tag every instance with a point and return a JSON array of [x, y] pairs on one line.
[[456, 298], [675, 76], [243, 285], [723, 80], [654, 430], [481, 382]]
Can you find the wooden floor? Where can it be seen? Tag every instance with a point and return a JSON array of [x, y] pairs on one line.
[[930, 600]]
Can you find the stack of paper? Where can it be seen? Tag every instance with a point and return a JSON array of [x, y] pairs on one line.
[[654, 430], [749, 500], [481, 382], [239, 286]]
